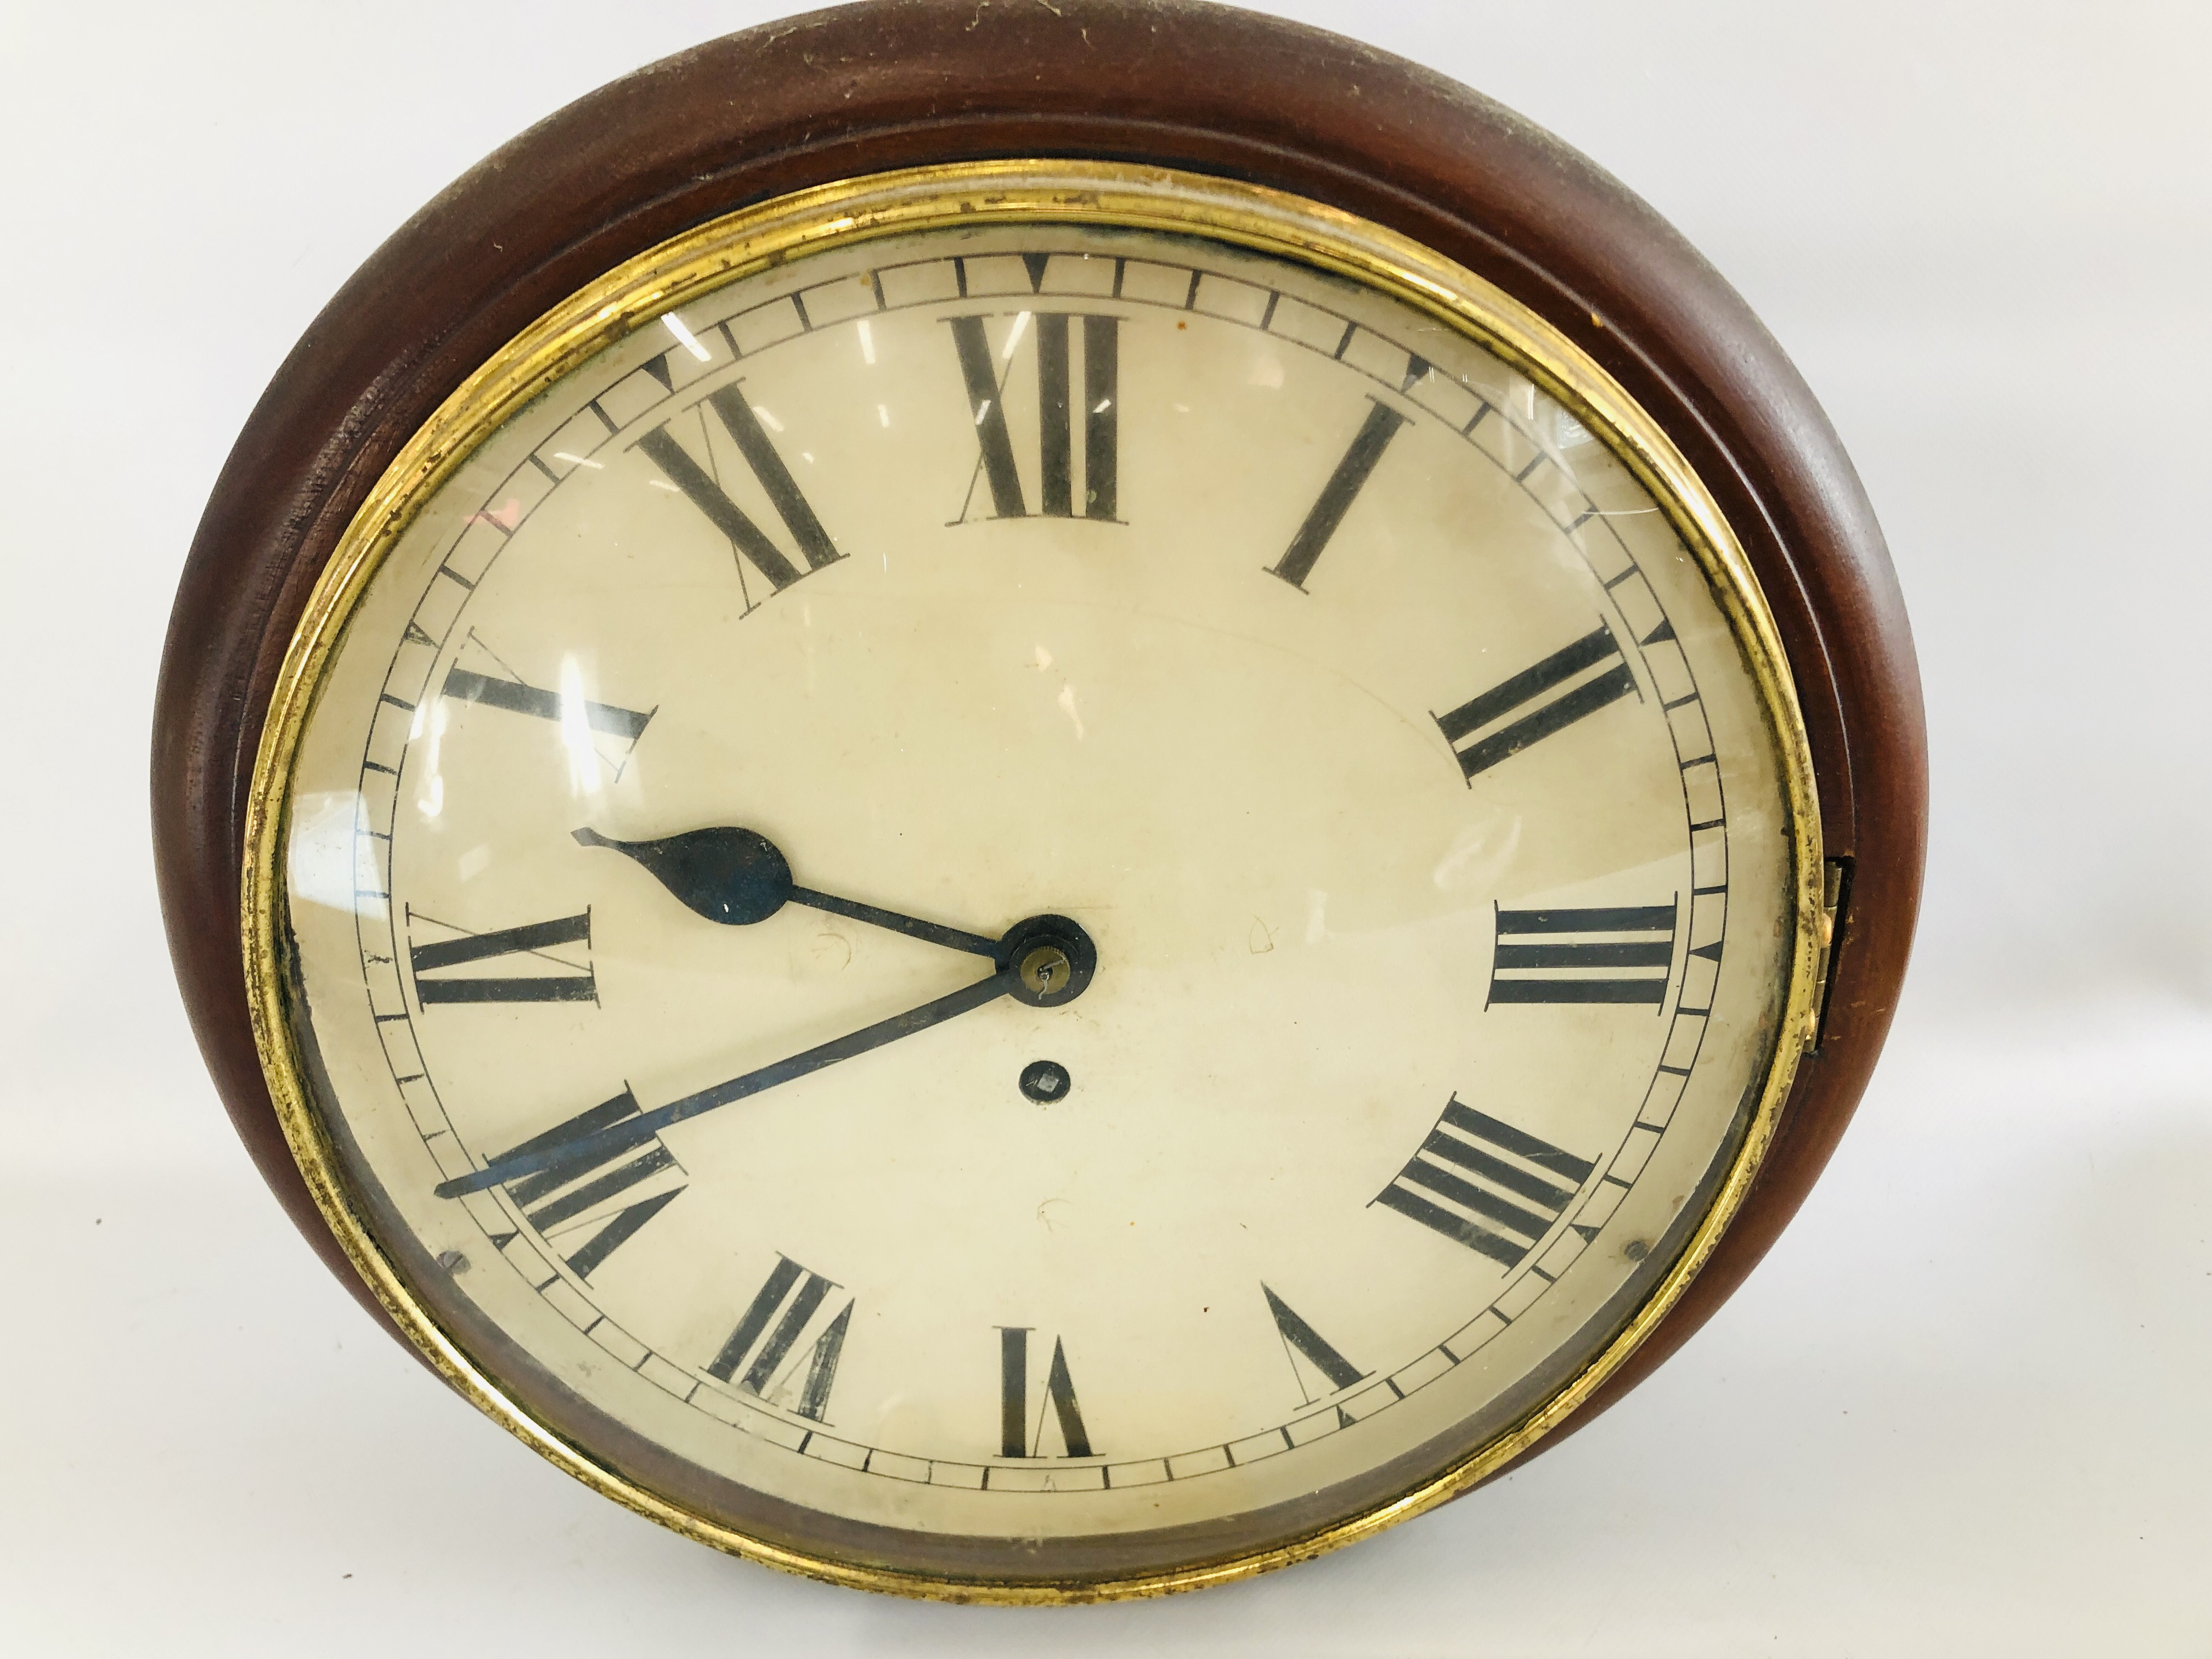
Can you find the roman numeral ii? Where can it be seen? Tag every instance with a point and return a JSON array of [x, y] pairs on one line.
[[1532, 705]]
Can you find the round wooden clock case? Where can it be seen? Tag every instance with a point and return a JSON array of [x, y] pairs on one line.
[[895, 84]]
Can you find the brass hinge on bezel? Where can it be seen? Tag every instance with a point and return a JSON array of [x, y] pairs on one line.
[[1835, 894]]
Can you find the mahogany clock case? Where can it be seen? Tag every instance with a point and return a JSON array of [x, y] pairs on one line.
[[898, 83]]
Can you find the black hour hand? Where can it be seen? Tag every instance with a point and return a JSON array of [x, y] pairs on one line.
[[739, 877]]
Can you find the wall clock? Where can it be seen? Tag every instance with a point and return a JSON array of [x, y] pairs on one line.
[[1038, 803]]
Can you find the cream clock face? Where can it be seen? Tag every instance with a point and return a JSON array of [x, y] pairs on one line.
[[1036, 883]]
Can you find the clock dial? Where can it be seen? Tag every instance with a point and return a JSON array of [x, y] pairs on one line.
[[1038, 882]]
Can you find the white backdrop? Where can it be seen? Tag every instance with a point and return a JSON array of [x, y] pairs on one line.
[[1962, 1409]]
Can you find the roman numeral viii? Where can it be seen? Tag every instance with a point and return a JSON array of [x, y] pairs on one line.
[[1617, 955], [789, 1298], [1538, 702], [1058, 459], [702, 486], [1014, 1438], [1486, 1184], [599, 1198], [555, 978]]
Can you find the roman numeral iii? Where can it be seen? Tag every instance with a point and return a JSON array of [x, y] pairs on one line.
[[552, 978], [790, 1297], [1620, 954], [1014, 1438], [1059, 462], [1486, 1184], [1538, 702], [702, 488]]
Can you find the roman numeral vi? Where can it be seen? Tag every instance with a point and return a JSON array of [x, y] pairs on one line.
[[1014, 1440]]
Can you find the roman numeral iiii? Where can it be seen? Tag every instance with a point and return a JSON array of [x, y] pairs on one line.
[[1483, 1183]]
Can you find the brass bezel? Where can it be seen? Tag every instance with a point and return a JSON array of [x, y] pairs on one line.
[[742, 244]]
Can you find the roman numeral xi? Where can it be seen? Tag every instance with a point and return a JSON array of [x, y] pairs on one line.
[[1058, 459], [702, 488], [1486, 1184], [532, 944]]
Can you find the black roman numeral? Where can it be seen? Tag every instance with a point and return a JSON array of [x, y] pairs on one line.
[[1057, 466], [1499, 712], [1501, 1187], [1300, 1338], [534, 940], [790, 1296], [466, 685], [1014, 1438], [1338, 495], [700, 487], [585, 1179], [1581, 954]]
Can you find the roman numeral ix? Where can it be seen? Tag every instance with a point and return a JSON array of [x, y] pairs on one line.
[[1057, 457], [1617, 955], [790, 1297], [1531, 706], [1486, 1184], [1014, 1438], [537, 939], [702, 488], [585, 1181]]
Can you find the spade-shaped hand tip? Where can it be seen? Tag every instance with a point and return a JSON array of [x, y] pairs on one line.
[[726, 874]]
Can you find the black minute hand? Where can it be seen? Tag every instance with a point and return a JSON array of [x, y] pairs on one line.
[[619, 1138], [739, 877]]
